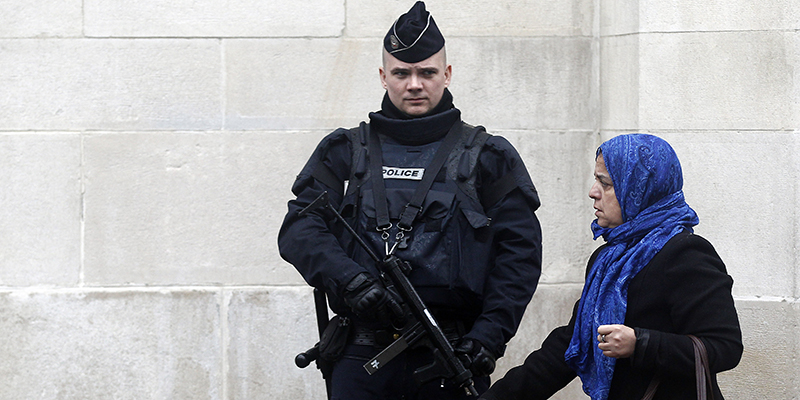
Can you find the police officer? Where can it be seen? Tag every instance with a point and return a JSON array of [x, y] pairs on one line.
[[473, 240]]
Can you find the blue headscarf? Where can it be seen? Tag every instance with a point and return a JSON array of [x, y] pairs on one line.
[[648, 184]]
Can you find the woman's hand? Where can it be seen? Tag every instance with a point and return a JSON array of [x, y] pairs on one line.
[[618, 341]]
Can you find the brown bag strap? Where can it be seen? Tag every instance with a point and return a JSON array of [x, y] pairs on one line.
[[651, 390], [702, 374], [702, 370]]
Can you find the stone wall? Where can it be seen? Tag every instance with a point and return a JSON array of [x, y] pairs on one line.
[[147, 150]]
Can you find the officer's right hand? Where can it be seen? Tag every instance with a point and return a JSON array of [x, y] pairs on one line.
[[371, 301], [476, 357]]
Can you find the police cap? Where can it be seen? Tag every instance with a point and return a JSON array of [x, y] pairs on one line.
[[414, 36]]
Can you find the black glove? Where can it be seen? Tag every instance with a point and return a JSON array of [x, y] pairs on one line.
[[371, 301], [477, 358]]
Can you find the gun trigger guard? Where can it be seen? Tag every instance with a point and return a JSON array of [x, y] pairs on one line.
[[435, 370]]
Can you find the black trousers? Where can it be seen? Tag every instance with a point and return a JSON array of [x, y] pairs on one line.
[[394, 381]]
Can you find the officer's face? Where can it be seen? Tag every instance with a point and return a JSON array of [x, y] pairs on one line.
[[415, 88]]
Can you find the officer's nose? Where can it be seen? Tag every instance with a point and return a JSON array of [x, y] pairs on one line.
[[414, 83]]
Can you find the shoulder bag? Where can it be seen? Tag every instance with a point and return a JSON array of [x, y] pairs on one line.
[[702, 374]]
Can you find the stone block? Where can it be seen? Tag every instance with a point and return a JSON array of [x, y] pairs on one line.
[[561, 164], [747, 210], [554, 92], [43, 18], [209, 18], [268, 328], [110, 84], [720, 81], [619, 17], [41, 209], [479, 18], [525, 83], [793, 57], [550, 308], [796, 172], [630, 16], [189, 208], [78, 344], [768, 368], [619, 82], [301, 83]]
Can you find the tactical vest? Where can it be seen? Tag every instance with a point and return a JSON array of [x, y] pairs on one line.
[[450, 244], [459, 167]]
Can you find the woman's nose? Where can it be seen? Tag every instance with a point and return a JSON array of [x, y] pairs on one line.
[[594, 192]]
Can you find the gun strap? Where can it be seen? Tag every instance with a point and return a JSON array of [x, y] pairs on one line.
[[379, 186]]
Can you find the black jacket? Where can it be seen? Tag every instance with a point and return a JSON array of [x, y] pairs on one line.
[[487, 275], [685, 289]]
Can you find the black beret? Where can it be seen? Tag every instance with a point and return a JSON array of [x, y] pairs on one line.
[[414, 36]]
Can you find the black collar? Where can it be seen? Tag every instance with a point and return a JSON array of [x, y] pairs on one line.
[[409, 130], [390, 110]]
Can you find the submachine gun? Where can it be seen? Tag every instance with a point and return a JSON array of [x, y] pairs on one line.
[[421, 328]]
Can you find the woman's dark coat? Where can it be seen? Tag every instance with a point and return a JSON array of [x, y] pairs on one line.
[[685, 289]]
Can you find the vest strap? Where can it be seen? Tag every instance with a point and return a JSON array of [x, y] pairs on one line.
[[324, 174], [414, 207], [378, 186]]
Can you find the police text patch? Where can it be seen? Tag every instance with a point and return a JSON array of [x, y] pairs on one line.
[[414, 174]]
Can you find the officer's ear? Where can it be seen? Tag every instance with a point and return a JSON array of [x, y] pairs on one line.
[[382, 75], [382, 68]]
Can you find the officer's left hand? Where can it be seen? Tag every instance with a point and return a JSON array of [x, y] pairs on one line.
[[370, 300], [475, 357]]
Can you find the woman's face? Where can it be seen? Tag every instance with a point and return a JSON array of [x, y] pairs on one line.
[[607, 209]]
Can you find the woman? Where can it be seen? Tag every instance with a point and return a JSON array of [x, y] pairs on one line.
[[651, 285]]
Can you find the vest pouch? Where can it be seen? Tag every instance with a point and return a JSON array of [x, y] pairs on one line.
[[476, 219], [428, 246], [348, 209], [437, 205], [334, 338]]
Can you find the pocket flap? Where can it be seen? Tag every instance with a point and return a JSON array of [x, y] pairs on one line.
[[476, 219]]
